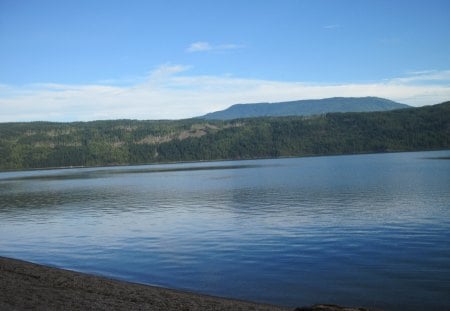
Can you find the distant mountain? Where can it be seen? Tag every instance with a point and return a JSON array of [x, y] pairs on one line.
[[305, 108]]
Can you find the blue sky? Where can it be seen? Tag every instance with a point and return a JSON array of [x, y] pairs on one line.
[[84, 60]]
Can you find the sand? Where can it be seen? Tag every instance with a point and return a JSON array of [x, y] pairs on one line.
[[25, 286]]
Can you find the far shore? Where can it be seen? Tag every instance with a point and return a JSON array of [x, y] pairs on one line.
[[112, 165], [25, 286]]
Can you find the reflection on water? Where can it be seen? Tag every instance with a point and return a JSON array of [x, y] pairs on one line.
[[368, 230], [84, 173]]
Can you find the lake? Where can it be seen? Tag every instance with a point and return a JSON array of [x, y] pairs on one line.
[[366, 230]]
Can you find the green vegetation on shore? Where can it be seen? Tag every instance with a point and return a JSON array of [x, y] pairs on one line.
[[45, 144]]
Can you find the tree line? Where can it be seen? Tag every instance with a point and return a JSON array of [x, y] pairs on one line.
[[115, 142]]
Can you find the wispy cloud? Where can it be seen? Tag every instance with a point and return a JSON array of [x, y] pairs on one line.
[[169, 92], [425, 76], [199, 47], [202, 46], [166, 70], [229, 46], [332, 26]]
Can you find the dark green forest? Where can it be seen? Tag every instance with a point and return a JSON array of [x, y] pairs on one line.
[[98, 143]]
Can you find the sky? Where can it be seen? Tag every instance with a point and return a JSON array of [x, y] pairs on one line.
[[81, 60]]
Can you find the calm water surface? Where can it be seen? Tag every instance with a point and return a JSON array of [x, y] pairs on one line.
[[369, 230]]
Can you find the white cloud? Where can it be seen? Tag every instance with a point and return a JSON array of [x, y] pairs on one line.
[[202, 46], [425, 76], [199, 47], [170, 93], [165, 71]]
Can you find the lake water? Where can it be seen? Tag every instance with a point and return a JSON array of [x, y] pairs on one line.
[[366, 230]]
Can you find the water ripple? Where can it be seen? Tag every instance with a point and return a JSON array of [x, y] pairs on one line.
[[369, 230]]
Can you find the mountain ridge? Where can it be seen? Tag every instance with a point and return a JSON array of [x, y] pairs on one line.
[[305, 107]]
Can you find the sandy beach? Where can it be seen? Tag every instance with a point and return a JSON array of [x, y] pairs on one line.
[[25, 286]]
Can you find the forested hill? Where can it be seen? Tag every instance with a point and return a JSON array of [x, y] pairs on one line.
[[43, 144], [305, 108]]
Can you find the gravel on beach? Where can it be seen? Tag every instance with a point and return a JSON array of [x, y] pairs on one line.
[[25, 286], [29, 286]]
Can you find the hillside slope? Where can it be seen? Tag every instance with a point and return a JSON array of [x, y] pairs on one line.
[[305, 108], [98, 143]]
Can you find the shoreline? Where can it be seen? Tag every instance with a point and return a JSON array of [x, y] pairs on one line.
[[25, 285], [113, 165]]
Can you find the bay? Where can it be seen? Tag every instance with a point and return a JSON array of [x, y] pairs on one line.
[[366, 230]]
